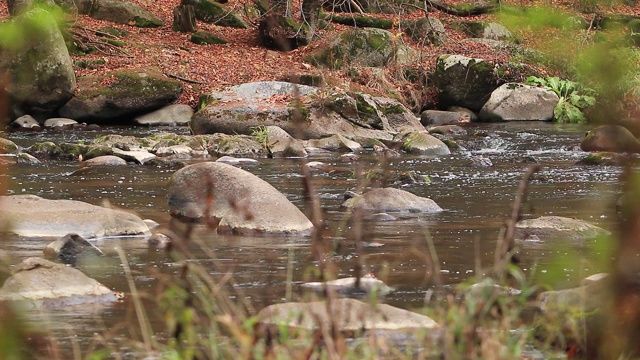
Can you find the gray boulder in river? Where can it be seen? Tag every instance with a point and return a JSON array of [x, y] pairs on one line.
[[33, 216], [41, 68], [241, 109], [391, 200], [241, 201], [39, 281]]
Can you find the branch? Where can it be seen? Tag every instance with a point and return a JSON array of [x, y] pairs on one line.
[[185, 79], [506, 242]]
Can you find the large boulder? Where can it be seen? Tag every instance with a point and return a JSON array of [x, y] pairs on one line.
[[40, 281], [243, 108], [120, 12], [33, 216], [513, 101], [464, 81], [40, 67], [348, 315], [242, 202], [547, 228], [612, 138], [120, 95], [362, 47], [390, 200]]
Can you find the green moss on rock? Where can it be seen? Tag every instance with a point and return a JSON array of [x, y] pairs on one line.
[[206, 38], [214, 13]]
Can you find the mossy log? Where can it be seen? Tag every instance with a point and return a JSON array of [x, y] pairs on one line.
[[464, 9]]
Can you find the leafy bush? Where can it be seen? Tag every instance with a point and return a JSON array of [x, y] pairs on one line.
[[573, 98]]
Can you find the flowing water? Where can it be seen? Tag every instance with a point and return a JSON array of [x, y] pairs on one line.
[[268, 270]]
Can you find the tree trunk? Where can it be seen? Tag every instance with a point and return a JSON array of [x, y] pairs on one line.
[[310, 14], [184, 18]]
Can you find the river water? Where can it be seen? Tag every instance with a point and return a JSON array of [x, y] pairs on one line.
[[477, 200]]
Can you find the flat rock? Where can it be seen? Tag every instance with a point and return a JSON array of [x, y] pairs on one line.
[[106, 160], [368, 284], [346, 314], [137, 156], [546, 228], [33, 216], [39, 280]]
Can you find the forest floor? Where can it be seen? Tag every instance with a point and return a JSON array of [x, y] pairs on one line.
[[242, 59]]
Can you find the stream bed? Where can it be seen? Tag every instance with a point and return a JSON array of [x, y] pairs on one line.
[[477, 200]]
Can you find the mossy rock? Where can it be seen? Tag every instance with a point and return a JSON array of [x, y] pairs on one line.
[[214, 13], [425, 31], [120, 95], [125, 143], [74, 150], [45, 149], [470, 28], [120, 12], [206, 38], [95, 151], [235, 145], [364, 47], [7, 146], [464, 81], [112, 30], [89, 63]]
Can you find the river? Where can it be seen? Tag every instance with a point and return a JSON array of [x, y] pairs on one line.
[[477, 200]]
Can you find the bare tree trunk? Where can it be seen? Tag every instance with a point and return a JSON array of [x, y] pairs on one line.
[[310, 14]]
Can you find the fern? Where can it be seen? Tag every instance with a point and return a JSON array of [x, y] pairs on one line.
[[573, 98]]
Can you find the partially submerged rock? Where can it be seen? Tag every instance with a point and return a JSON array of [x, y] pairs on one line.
[[391, 200], [368, 284], [611, 138], [349, 315], [68, 248], [422, 143], [39, 281], [33, 216], [547, 228], [239, 200]]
